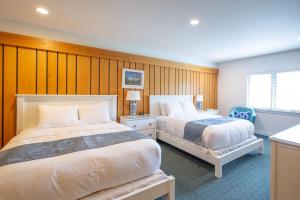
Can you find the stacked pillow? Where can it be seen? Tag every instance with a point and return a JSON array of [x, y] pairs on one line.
[[51, 116], [177, 108]]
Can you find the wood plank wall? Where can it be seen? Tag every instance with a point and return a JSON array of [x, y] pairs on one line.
[[31, 65]]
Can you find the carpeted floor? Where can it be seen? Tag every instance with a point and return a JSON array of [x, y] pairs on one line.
[[246, 178]]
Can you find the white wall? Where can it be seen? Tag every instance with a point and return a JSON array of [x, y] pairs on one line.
[[232, 89]]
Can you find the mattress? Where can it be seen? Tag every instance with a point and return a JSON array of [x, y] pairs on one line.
[[214, 137], [78, 174]]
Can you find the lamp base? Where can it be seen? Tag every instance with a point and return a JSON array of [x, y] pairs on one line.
[[133, 108], [199, 105]]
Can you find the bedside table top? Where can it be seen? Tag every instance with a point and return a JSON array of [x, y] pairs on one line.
[[137, 117]]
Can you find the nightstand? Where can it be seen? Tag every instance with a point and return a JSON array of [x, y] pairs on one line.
[[143, 123]]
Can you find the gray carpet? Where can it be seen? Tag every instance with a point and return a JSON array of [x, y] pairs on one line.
[[246, 178]]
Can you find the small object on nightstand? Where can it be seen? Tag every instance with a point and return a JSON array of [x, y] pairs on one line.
[[144, 124]]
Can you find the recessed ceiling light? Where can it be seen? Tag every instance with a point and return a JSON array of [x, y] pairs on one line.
[[219, 56], [194, 22], [298, 38], [42, 11]]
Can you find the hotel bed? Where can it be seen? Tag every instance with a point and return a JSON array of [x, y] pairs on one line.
[[213, 138], [81, 161]]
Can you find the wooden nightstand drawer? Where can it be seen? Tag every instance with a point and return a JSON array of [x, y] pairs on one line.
[[143, 124]]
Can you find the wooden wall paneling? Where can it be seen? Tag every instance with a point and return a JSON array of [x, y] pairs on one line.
[[210, 102], [184, 80], [1, 94], [177, 81], [202, 80], [95, 81], [206, 94], [104, 76], [140, 104], [146, 87], [52, 73], [83, 75], [192, 83], [157, 80], [162, 80], [172, 83], [207, 91], [62, 74], [216, 91], [26, 71], [195, 83], [198, 83], [71, 74], [212, 89], [188, 82], [120, 89], [113, 77], [126, 103], [167, 80], [152, 79], [41, 73], [39, 43], [9, 92], [180, 83]]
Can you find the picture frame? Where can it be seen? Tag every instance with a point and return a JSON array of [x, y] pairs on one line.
[[133, 79]]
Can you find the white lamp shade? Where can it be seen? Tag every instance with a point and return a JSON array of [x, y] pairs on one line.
[[199, 98], [133, 96]]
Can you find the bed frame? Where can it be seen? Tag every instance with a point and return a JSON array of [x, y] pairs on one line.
[[193, 149], [27, 115]]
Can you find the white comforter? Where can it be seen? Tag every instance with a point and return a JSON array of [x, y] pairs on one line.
[[75, 175], [214, 137]]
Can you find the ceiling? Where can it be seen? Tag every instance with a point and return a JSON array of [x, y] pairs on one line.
[[160, 28]]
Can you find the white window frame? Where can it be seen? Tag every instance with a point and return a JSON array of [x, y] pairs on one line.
[[273, 93]]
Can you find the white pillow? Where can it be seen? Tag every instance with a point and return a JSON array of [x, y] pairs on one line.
[[162, 109], [188, 107], [173, 108], [51, 116], [94, 113]]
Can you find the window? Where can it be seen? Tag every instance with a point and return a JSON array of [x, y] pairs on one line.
[[276, 91], [287, 91], [259, 90]]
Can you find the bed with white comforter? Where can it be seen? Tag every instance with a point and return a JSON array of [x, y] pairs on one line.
[[78, 174], [214, 137]]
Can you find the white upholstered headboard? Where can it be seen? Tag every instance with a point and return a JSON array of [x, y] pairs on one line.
[[27, 113], [154, 100]]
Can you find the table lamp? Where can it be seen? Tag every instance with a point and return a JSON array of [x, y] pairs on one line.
[[133, 96], [199, 101]]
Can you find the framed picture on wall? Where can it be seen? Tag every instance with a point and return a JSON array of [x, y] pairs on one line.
[[133, 79]]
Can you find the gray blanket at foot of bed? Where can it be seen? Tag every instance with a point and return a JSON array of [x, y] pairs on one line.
[[193, 130], [41, 150]]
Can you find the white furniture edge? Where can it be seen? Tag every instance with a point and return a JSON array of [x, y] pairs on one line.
[[193, 149], [27, 113], [154, 100], [153, 191]]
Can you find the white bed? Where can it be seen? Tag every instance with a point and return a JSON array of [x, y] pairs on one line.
[[236, 138], [101, 173]]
